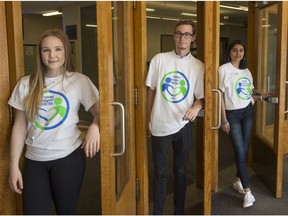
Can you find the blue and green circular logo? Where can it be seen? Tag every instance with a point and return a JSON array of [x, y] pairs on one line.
[[243, 88], [53, 111], [174, 87]]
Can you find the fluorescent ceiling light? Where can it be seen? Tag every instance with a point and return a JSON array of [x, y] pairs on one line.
[[52, 13], [167, 18], [153, 17], [188, 14], [150, 9], [91, 25], [235, 8]]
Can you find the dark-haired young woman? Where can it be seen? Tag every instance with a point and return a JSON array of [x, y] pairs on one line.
[[236, 84]]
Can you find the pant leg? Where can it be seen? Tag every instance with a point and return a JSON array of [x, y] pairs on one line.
[[37, 197], [160, 146], [66, 180], [182, 143], [240, 129], [247, 123]]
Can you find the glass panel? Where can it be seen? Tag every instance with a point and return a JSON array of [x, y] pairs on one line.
[[120, 93], [267, 70]]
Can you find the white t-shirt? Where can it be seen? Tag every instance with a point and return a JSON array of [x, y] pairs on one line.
[[54, 134], [176, 81], [237, 85]]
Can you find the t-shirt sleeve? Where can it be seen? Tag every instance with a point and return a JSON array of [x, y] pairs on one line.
[[199, 87], [19, 93], [151, 79], [221, 79], [90, 94]]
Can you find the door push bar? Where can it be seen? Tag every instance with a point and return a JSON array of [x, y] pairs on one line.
[[201, 112], [118, 154]]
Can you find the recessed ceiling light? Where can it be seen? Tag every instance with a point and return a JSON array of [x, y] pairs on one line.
[[91, 25], [52, 13], [171, 19], [235, 8], [153, 17], [150, 9], [188, 14]]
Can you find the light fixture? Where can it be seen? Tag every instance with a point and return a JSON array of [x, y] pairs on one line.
[[91, 25], [170, 19], [235, 8], [150, 9], [52, 13], [188, 14], [153, 17]]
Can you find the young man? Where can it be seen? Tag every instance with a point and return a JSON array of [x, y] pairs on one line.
[[175, 95]]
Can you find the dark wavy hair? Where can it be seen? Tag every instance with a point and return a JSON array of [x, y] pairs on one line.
[[243, 62]]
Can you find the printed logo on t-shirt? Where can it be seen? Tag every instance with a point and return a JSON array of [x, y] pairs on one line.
[[174, 86], [53, 110], [243, 88]]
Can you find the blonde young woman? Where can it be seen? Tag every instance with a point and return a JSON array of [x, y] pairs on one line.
[[47, 104]]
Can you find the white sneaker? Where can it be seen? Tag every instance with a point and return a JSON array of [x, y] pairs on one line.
[[237, 185], [249, 199]]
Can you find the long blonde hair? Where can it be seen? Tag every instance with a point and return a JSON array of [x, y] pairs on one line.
[[36, 85]]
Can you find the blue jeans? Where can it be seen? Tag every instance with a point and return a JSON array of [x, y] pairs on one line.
[[181, 143], [241, 121]]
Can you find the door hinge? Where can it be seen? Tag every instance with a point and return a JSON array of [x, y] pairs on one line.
[[134, 5], [11, 115], [136, 97], [137, 189]]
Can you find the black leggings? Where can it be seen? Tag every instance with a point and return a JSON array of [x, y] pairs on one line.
[[58, 180]]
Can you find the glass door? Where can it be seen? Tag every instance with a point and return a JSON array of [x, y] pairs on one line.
[[115, 60], [270, 144]]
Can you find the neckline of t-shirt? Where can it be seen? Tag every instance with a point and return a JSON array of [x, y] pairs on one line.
[[235, 67], [184, 57]]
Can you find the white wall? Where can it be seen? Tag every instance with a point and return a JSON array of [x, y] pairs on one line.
[[35, 25], [154, 30]]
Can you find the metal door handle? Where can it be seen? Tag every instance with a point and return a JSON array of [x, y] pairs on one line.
[[268, 83], [118, 154], [271, 99], [219, 109]]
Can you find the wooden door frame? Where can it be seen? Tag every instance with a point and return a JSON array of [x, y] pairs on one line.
[[281, 62], [207, 140], [140, 59], [12, 63], [110, 203]]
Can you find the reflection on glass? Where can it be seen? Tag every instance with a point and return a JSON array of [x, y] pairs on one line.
[[120, 92], [267, 69]]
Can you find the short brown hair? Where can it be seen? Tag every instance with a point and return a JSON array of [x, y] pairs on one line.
[[186, 22]]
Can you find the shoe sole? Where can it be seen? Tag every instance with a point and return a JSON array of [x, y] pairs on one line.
[[248, 205]]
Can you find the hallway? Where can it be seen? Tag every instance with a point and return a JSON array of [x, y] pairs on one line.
[[228, 202]]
